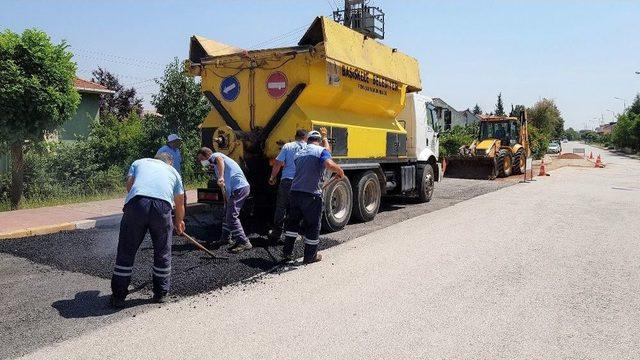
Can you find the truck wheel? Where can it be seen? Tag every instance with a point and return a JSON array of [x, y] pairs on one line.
[[425, 183], [519, 162], [366, 196], [337, 205], [504, 163]]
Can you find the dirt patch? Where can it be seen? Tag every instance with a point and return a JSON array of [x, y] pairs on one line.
[[570, 156]]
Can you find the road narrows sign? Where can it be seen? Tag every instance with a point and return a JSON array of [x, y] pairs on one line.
[[230, 88], [277, 84]]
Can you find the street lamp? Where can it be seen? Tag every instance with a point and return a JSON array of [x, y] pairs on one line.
[[637, 72], [624, 101]]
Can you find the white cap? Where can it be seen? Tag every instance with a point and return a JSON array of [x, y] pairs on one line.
[[173, 137], [314, 134]]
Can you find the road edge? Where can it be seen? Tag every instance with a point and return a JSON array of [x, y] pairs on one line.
[[84, 224]]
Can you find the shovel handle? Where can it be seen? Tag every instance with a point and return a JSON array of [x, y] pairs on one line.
[[199, 246]]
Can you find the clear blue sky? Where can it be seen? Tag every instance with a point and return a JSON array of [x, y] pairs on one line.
[[580, 53]]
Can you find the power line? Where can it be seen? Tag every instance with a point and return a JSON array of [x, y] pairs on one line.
[[118, 57]]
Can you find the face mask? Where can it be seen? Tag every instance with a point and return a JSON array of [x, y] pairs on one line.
[[204, 162]]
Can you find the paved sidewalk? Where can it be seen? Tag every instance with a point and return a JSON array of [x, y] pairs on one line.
[[46, 220]]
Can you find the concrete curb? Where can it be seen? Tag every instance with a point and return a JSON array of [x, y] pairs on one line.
[[86, 224]]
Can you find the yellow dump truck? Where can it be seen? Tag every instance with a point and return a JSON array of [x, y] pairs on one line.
[[359, 89]]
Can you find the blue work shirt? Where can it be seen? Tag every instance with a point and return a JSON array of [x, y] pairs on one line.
[[233, 176], [309, 169], [177, 156], [156, 179], [287, 156]]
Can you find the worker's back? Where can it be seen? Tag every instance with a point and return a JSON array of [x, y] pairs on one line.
[[154, 178]]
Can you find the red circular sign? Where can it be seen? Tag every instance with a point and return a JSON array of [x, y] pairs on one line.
[[277, 84]]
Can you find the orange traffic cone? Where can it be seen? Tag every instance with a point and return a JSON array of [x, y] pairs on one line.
[[591, 155], [599, 162], [542, 169]]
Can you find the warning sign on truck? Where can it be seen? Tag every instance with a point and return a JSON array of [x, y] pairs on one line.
[[277, 84]]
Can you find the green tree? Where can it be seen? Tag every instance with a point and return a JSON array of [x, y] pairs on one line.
[[477, 110], [571, 134], [635, 105], [517, 110], [546, 117], [37, 95], [183, 107], [499, 106]]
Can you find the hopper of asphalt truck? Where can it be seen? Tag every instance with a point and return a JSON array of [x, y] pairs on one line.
[[336, 78]]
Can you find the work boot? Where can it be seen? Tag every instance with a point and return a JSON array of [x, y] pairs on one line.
[[275, 236], [287, 249], [159, 298], [311, 254], [287, 258], [241, 246], [117, 302]]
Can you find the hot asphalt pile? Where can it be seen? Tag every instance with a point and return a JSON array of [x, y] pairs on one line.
[[92, 252]]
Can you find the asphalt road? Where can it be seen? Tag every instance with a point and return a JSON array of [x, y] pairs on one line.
[[56, 287], [547, 269]]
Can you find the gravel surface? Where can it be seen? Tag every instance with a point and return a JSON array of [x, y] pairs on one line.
[[68, 273]]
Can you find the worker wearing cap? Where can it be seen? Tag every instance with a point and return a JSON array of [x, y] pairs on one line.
[[154, 186], [305, 198], [232, 180], [172, 147], [285, 161]]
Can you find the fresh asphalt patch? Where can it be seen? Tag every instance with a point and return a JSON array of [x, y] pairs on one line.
[[57, 286]]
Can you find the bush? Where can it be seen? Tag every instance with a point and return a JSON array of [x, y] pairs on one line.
[[452, 140], [538, 142]]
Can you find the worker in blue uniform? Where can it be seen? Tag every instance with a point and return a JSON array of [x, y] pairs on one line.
[[305, 198], [172, 147], [153, 186], [232, 180], [286, 161]]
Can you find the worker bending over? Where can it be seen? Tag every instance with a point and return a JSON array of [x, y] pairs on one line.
[[305, 199], [153, 186], [285, 161], [233, 183]]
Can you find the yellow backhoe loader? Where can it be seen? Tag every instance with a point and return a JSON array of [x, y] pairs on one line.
[[501, 150]]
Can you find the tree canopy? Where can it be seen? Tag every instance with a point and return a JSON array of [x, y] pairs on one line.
[[546, 116], [122, 102], [500, 106], [179, 100], [477, 110], [37, 94]]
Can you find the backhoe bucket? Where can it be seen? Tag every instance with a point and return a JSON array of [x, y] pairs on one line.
[[471, 167]]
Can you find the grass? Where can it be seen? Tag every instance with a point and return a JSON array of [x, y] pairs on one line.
[[74, 199]]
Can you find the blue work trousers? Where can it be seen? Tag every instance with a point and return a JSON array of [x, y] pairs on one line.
[[142, 214]]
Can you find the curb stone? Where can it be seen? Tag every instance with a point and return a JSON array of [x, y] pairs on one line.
[[86, 224]]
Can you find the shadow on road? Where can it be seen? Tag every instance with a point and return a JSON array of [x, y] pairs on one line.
[[91, 304]]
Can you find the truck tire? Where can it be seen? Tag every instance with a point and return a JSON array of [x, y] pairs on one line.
[[425, 182], [366, 196], [519, 162], [504, 163], [337, 205]]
